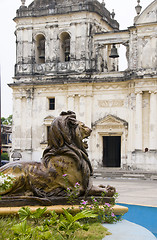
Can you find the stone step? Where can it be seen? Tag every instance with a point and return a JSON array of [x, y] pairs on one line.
[[134, 176], [153, 177], [121, 173]]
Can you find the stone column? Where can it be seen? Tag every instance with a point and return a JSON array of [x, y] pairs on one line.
[[30, 45], [82, 108], [152, 122], [105, 58], [73, 42], [88, 110], [28, 124], [47, 45], [71, 103], [19, 46], [131, 136], [54, 44], [138, 121], [16, 130]]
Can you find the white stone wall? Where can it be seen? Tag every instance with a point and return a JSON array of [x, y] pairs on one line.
[[92, 104], [112, 103]]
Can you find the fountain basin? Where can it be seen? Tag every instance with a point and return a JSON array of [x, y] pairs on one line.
[[126, 230]]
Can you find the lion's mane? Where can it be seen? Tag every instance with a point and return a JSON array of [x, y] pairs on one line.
[[65, 139]]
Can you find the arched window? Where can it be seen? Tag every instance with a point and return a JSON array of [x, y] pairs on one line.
[[40, 48], [65, 47]]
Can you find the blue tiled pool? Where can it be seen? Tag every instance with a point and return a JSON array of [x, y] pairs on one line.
[[142, 215]]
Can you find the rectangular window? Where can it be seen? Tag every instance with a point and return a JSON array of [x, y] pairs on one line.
[[51, 103]]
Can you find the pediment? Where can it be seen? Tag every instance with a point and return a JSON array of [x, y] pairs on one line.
[[111, 121], [48, 119], [149, 15]]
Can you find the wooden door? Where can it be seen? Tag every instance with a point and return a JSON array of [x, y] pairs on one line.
[[111, 151]]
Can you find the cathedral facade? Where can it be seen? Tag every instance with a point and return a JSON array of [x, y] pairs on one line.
[[67, 59]]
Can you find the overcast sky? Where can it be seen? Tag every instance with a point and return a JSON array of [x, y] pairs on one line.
[[124, 10]]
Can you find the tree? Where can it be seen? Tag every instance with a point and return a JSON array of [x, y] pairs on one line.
[[4, 156], [7, 121]]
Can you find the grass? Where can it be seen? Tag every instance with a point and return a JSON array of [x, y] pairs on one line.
[[5, 226], [96, 230]]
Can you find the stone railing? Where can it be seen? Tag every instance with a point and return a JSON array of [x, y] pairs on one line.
[[46, 68]]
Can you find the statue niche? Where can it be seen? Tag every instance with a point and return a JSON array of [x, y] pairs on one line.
[[65, 155]]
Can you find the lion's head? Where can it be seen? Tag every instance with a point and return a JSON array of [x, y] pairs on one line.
[[82, 133], [65, 129], [67, 135]]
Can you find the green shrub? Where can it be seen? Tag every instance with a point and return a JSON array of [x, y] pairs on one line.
[[4, 156]]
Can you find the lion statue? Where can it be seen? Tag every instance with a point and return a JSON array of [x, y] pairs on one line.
[[65, 155]]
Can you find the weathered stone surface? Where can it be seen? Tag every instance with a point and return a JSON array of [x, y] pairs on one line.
[[51, 7], [36, 201], [90, 84]]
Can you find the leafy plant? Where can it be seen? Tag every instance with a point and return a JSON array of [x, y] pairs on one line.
[[71, 192], [4, 156], [116, 195], [23, 231], [6, 181], [25, 213], [95, 232], [66, 225], [61, 226], [7, 121], [104, 211]]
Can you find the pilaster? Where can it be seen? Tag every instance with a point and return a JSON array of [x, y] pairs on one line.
[[153, 121], [82, 108], [138, 121], [89, 110], [71, 103]]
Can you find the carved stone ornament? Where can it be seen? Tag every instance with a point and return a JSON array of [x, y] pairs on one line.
[[111, 121], [111, 103], [65, 156]]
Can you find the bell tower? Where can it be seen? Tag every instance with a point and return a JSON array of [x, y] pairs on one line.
[[56, 37], [55, 49]]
